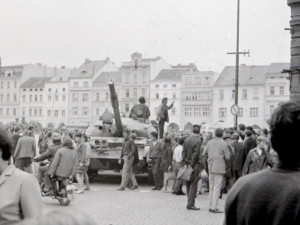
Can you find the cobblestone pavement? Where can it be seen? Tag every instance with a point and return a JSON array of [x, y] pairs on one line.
[[142, 206]]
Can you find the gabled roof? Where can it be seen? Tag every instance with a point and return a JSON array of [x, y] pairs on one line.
[[275, 69], [17, 70], [62, 75], [190, 66], [248, 75], [104, 77], [35, 82], [89, 68], [171, 74]]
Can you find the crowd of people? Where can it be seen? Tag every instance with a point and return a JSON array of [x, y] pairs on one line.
[[225, 156]]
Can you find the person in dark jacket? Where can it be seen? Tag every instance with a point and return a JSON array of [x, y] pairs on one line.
[[163, 115], [154, 156], [166, 159], [48, 155], [258, 158], [191, 157], [249, 142], [240, 156], [127, 155], [271, 196], [140, 112], [16, 136]]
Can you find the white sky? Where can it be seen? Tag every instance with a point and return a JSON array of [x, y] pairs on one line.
[[65, 32]]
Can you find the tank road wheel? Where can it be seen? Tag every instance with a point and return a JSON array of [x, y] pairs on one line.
[[150, 177]]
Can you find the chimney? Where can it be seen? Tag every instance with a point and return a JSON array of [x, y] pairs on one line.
[[107, 59], [87, 61]]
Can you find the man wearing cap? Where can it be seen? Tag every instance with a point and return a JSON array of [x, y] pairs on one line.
[[48, 155], [140, 112], [249, 142], [163, 115], [127, 155], [258, 158], [191, 157], [217, 151]]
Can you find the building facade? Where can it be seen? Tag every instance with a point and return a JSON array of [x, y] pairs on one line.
[[276, 88], [136, 77], [101, 94], [80, 90], [196, 97]]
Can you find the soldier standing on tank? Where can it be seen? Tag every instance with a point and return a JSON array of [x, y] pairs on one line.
[[163, 115], [140, 112]]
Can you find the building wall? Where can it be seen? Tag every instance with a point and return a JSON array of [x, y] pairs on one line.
[[251, 102], [196, 98], [56, 95], [169, 89], [276, 91], [157, 66], [101, 98]]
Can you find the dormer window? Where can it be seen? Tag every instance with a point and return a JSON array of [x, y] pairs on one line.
[[8, 73]]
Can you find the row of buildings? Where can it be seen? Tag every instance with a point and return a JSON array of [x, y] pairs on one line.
[[78, 96]]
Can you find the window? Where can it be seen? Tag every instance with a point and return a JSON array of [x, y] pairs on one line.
[[135, 93], [106, 96], [253, 112], [14, 111], [1, 85], [135, 78], [198, 80], [49, 89], [143, 92], [41, 98], [174, 95], [156, 85], [272, 107], [221, 95], [15, 97], [165, 95], [1, 98], [97, 112], [24, 98], [173, 85], [49, 113], [49, 98], [56, 97], [15, 84], [75, 97], [241, 112], [56, 113], [126, 107], [63, 113], [144, 78], [35, 112], [64, 89], [75, 111], [23, 111], [207, 81], [35, 98], [8, 97], [165, 85], [206, 111], [75, 84], [233, 94], [63, 98], [85, 84], [245, 94], [281, 90], [197, 111], [84, 111], [255, 93], [1, 111], [7, 111], [8, 84], [188, 80], [41, 112], [188, 111], [272, 90], [127, 93], [127, 78], [85, 97], [222, 112], [157, 96], [97, 97]]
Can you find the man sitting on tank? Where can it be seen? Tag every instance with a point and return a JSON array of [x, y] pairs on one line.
[[107, 117], [140, 112]]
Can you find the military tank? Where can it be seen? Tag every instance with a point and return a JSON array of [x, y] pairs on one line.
[[106, 139]]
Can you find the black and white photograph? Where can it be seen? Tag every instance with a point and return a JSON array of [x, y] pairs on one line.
[[152, 112]]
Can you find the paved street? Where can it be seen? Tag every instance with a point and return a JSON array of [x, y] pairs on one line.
[[107, 206]]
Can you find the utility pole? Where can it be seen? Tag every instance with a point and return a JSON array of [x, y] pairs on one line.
[[237, 59]]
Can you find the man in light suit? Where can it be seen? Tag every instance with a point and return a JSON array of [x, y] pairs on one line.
[[217, 151], [163, 115], [24, 153]]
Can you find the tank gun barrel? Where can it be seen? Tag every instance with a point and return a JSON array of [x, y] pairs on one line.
[[115, 106]]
